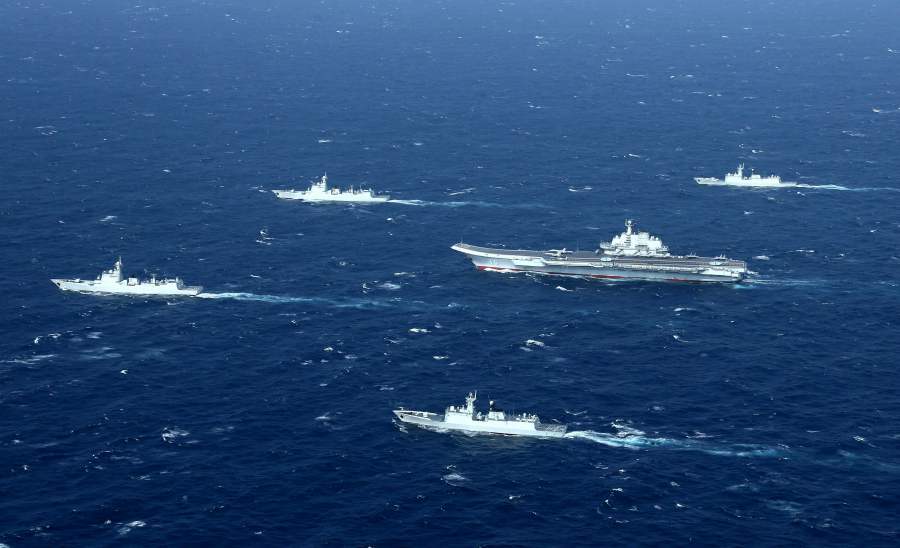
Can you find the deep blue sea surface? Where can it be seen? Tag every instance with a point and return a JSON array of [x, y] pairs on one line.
[[766, 413]]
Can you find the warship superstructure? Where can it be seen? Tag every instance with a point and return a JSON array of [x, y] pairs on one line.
[[112, 281], [739, 179], [319, 191], [631, 255], [495, 421]]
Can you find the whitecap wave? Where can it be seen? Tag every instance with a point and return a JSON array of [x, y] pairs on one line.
[[29, 360], [126, 528], [172, 433], [463, 191], [454, 479], [46, 130], [54, 336]]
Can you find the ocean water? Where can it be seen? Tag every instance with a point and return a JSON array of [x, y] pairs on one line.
[[764, 413]]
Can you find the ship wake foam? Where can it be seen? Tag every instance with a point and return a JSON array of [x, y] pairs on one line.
[[281, 299], [783, 282], [839, 187], [463, 204], [629, 438]]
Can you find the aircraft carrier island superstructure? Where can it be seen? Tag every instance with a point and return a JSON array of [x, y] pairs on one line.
[[631, 255]]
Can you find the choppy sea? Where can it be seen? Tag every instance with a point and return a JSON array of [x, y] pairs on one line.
[[764, 413]]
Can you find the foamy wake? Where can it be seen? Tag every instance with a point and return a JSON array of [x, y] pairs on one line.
[[463, 204], [760, 283], [839, 187], [280, 299], [630, 438], [749, 282]]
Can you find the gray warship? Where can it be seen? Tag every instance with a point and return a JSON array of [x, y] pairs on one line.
[[495, 421], [631, 255], [113, 282]]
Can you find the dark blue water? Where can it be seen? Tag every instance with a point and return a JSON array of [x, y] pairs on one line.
[[760, 414]]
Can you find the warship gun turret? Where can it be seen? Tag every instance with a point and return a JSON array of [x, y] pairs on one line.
[[319, 191], [495, 421], [632, 255], [112, 281]]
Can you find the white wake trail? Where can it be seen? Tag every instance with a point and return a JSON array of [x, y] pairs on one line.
[[280, 299], [635, 439], [782, 282], [422, 203], [849, 189]]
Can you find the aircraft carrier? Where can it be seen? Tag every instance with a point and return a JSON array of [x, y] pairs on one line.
[[631, 255]]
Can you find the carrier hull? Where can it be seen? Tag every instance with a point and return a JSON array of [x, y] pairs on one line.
[[598, 266]]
